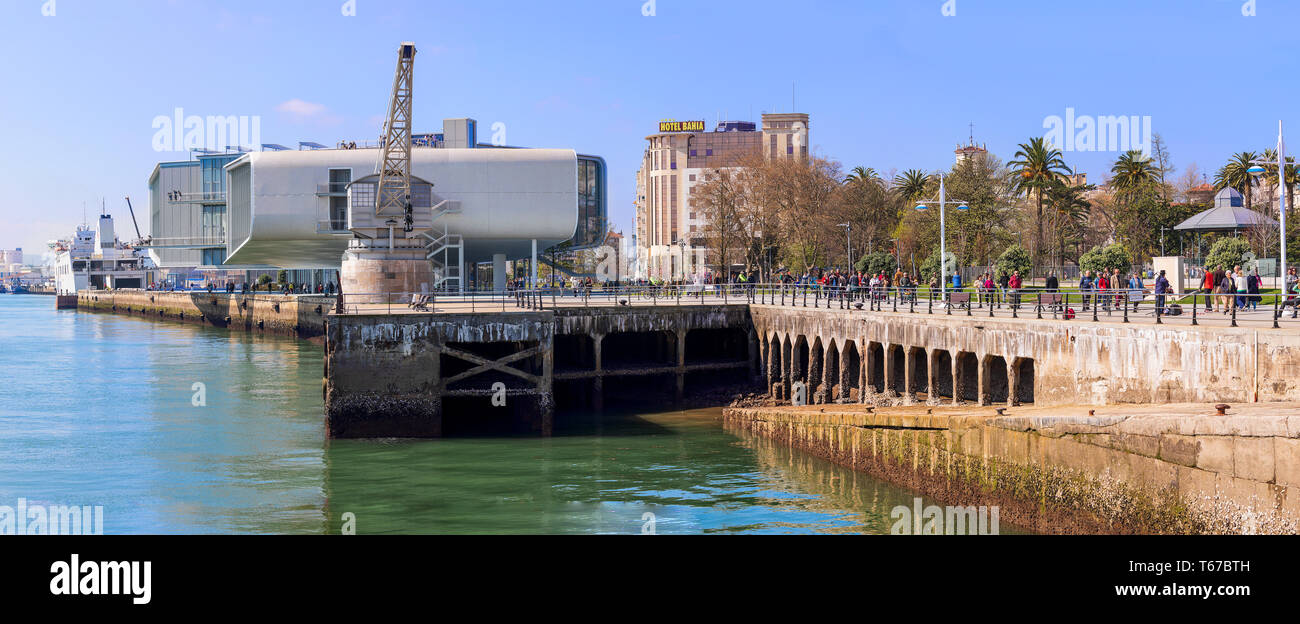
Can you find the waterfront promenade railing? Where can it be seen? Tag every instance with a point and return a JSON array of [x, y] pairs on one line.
[[1268, 310]]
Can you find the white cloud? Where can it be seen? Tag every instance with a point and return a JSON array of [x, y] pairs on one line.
[[301, 109]]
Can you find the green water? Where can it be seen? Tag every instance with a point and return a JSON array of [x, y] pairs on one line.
[[100, 409]]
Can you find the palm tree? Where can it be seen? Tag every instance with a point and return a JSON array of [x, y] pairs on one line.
[[1133, 172], [1236, 174], [863, 174], [1292, 176], [1035, 168], [911, 184], [1071, 210]]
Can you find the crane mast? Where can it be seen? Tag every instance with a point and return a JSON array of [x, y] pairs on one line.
[[394, 169]]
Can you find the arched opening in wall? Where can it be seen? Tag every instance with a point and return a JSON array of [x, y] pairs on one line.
[[773, 362], [876, 375], [787, 367], [631, 350], [832, 372], [575, 352], [943, 382], [967, 383], [898, 369], [999, 384], [816, 363], [1024, 390], [920, 384], [852, 373], [716, 346], [799, 362]]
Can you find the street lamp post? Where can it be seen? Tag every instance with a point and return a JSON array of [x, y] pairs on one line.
[[943, 232], [1258, 169], [848, 231]]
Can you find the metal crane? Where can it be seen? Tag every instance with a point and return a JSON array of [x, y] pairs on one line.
[[394, 169]]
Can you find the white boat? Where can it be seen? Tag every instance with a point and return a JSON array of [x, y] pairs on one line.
[[96, 259]]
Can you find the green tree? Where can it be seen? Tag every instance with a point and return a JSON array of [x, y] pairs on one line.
[[1036, 167], [876, 263], [1015, 258], [911, 184], [861, 175], [1100, 259], [1228, 253], [1133, 174], [1070, 213]]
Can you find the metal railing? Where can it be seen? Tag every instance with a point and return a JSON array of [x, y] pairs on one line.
[[1123, 306]]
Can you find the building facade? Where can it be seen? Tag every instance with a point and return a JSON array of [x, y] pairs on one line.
[[677, 158], [288, 209]]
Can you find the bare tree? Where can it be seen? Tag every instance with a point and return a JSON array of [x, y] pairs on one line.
[[722, 198]]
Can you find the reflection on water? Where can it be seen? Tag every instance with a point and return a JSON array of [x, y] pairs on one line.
[[684, 468], [99, 410]]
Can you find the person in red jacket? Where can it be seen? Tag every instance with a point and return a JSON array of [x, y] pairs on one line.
[[1013, 285]]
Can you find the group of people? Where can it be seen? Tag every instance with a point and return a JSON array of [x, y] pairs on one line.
[[1233, 289], [1113, 290]]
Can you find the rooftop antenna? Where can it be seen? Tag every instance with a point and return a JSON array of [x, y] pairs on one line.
[[972, 133]]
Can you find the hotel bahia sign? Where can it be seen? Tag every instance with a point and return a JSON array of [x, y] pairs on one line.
[[681, 126]]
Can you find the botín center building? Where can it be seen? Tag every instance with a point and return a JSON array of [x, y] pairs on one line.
[[676, 161], [287, 209]]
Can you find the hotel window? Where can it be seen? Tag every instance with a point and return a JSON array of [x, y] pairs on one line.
[[695, 153], [708, 152], [692, 177]]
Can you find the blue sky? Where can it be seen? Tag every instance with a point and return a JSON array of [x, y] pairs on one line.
[[890, 84]]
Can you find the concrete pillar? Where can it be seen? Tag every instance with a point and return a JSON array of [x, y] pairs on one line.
[[499, 272], [598, 384], [533, 265], [887, 352], [1013, 378], [755, 358], [931, 374], [864, 374], [681, 365], [985, 381], [909, 373], [547, 388], [956, 378], [787, 355]]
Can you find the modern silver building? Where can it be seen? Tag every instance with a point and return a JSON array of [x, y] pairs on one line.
[[281, 208]]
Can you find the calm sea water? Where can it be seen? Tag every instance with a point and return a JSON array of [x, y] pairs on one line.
[[99, 409]]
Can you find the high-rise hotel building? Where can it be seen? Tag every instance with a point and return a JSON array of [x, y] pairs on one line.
[[675, 162]]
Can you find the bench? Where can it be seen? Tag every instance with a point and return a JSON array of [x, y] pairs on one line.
[[959, 300], [420, 302]]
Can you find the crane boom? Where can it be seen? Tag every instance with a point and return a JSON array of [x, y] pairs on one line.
[[394, 192], [133, 221]]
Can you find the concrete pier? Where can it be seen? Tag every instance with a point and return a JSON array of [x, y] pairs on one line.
[[290, 315], [403, 375], [1172, 469]]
